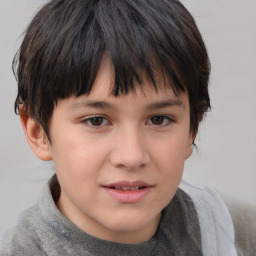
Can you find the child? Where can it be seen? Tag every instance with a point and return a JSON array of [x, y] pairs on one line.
[[113, 93]]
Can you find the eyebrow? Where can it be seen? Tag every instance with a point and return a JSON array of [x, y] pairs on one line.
[[165, 104], [93, 104], [152, 106]]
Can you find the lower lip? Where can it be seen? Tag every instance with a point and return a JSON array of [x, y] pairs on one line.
[[128, 196]]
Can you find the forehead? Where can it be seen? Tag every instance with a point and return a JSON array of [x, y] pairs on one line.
[[105, 81], [145, 92]]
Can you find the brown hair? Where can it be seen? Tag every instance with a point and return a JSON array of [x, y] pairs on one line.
[[67, 39]]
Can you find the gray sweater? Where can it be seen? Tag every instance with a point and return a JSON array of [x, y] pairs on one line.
[[196, 222], [43, 230]]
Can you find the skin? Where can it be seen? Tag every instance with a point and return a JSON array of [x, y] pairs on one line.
[[142, 136]]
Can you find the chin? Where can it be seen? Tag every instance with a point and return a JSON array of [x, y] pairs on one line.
[[131, 223]]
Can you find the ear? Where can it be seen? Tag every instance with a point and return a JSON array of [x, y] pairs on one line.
[[36, 137], [189, 150]]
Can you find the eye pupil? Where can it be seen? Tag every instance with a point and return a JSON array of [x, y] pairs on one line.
[[158, 120], [96, 121]]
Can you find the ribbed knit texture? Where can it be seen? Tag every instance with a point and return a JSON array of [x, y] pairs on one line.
[[43, 230]]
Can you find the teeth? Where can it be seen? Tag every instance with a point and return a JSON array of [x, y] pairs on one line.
[[135, 188], [127, 188]]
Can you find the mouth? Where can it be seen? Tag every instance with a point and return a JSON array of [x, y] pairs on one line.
[[127, 188], [127, 185], [128, 192]]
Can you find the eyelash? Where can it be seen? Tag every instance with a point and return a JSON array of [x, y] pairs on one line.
[[166, 120], [89, 120]]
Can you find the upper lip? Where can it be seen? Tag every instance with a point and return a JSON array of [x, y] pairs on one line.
[[128, 184]]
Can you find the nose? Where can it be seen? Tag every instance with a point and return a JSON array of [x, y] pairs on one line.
[[129, 150]]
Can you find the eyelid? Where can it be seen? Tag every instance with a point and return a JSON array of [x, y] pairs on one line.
[[169, 119], [88, 118]]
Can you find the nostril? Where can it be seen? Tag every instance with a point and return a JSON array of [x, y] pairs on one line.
[[133, 160]]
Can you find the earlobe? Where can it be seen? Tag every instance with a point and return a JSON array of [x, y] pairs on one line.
[[36, 137], [190, 146], [189, 151]]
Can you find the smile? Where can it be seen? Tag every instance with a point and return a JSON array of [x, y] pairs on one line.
[[128, 188], [127, 192]]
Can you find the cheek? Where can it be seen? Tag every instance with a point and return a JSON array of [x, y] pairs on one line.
[[168, 158], [77, 173], [170, 152], [169, 164], [76, 160], [73, 158], [73, 145]]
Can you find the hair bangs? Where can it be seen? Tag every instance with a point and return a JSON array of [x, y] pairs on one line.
[[133, 50], [67, 41]]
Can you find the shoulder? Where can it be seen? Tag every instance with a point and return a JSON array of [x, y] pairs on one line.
[[22, 238], [217, 230], [243, 214]]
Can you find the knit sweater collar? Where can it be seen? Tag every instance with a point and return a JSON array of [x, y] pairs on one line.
[[178, 232]]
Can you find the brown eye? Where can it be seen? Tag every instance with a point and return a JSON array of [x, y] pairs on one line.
[[157, 120], [160, 121], [96, 121]]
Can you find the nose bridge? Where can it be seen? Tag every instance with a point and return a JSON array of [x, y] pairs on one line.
[[130, 148]]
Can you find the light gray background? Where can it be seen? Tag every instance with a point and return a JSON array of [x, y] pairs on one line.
[[226, 142]]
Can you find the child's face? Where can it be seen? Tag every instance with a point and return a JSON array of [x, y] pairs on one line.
[[119, 160]]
